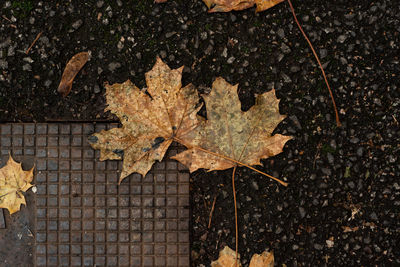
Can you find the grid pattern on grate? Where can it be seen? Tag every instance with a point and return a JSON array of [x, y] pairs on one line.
[[84, 218]]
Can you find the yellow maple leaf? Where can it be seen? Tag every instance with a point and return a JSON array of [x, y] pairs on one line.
[[228, 5], [230, 133], [227, 259], [13, 181], [151, 120]]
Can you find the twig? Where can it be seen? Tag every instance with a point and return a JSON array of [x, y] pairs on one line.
[[4, 17], [319, 63], [205, 203], [211, 212], [395, 120], [236, 217], [11, 25], [33, 43], [317, 155]]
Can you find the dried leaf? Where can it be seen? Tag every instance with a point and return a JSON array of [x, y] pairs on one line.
[[266, 259], [14, 181], [229, 5], [72, 68], [227, 259], [347, 229], [330, 242], [232, 133], [149, 122]]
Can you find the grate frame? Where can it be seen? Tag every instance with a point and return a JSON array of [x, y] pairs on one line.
[[83, 217]]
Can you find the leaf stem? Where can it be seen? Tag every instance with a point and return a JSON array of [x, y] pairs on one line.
[[211, 212], [319, 63], [236, 216], [233, 160]]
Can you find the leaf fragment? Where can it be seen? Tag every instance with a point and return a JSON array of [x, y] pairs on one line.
[[347, 229], [266, 259], [74, 65], [13, 181], [227, 259], [263, 5], [229, 5]]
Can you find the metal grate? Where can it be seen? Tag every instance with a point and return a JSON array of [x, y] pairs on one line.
[[84, 218]]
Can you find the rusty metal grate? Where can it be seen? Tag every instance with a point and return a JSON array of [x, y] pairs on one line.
[[83, 218]]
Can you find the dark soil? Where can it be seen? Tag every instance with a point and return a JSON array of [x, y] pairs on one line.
[[342, 205]]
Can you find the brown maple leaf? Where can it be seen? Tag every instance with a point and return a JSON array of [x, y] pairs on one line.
[[151, 120], [13, 181], [229, 135], [227, 259], [228, 5]]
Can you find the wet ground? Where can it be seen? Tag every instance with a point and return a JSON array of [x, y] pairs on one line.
[[342, 203]]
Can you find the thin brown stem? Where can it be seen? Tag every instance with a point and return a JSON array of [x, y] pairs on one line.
[[34, 41], [211, 212], [233, 160], [236, 217], [319, 63], [4, 17]]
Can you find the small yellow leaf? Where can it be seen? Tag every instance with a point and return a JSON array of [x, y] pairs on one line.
[[13, 181]]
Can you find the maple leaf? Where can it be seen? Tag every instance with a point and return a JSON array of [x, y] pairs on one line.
[[151, 120], [74, 65], [13, 181], [227, 259], [228, 5], [229, 135]]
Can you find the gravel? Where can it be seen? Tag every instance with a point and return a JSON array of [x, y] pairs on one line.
[[343, 182]]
